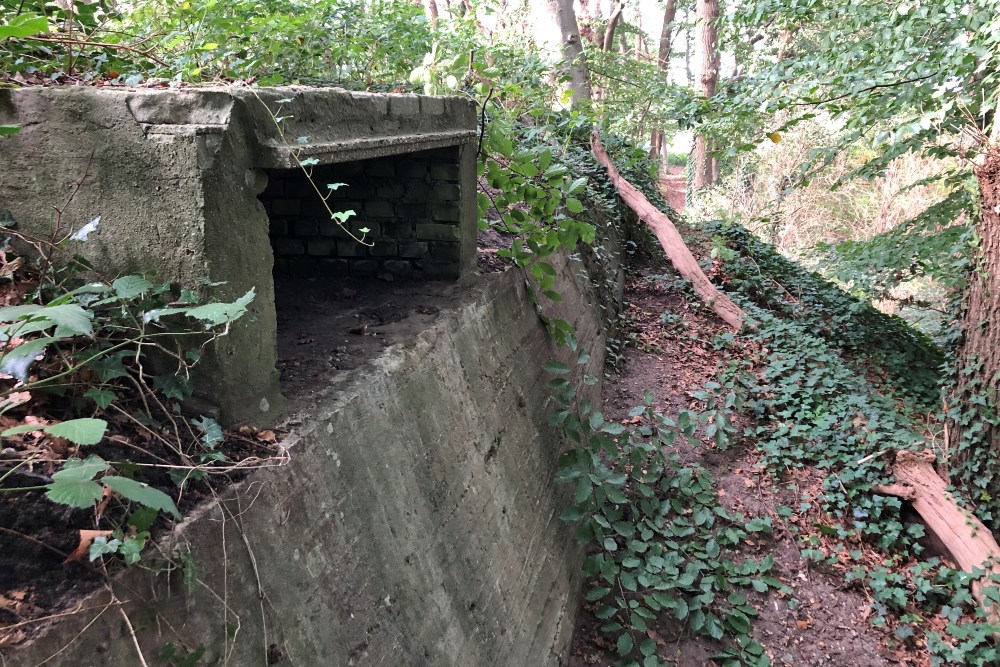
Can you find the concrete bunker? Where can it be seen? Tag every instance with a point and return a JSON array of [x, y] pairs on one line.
[[204, 186]]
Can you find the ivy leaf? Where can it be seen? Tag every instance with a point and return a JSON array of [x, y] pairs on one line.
[[141, 493], [102, 397], [211, 432]]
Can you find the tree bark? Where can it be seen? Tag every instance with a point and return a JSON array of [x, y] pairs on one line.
[[609, 31], [431, 7], [673, 244], [573, 52], [974, 436], [968, 541], [704, 171], [656, 139]]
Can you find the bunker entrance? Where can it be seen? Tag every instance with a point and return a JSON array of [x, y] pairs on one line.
[[345, 291]]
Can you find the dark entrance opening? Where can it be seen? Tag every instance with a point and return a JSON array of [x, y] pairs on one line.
[[344, 291]]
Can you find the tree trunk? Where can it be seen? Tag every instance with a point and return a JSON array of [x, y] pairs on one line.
[[609, 31], [671, 241], [704, 172], [431, 7], [656, 139], [973, 436], [573, 53]]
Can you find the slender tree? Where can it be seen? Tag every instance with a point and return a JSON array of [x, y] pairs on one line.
[[705, 168], [657, 147]]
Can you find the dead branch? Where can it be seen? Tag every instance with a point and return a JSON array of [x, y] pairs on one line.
[[673, 245]]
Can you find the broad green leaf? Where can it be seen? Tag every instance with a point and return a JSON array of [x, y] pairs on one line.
[[141, 493], [78, 469], [87, 431], [574, 205], [9, 130], [24, 25], [74, 492], [215, 314], [577, 186], [624, 644], [129, 287], [555, 367], [102, 397]]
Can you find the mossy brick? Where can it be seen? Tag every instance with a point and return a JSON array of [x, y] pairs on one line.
[[445, 171], [417, 191], [307, 227], [351, 248], [446, 192], [399, 268], [379, 208], [412, 210], [437, 232], [321, 247], [286, 206], [385, 248], [413, 169], [334, 268], [289, 247], [446, 212], [413, 249], [380, 168], [302, 267], [449, 252], [278, 227], [401, 231], [393, 190], [331, 228], [364, 268]]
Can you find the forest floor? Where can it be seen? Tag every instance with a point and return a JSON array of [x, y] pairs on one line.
[[822, 622]]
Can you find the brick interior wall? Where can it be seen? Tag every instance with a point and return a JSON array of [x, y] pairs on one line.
[[410, 204]]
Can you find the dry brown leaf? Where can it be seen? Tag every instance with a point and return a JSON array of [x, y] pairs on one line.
[[87, 538], [103, 505], [267, 436]]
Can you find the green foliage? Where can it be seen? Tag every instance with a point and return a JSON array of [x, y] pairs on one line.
[[107, 346], [662, 541]]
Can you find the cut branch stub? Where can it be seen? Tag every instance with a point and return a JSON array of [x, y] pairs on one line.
[[673, 244]]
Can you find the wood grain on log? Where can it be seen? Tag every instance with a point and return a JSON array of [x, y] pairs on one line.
[[968, 541]]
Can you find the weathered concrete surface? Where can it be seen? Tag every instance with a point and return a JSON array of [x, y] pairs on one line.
[[417, 523], [175, 176]]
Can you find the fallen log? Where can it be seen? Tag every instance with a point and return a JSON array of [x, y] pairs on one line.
[[970, 543], [673, 245]]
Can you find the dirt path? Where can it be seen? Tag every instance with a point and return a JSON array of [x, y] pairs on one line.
[[673, 185], [821, 623]]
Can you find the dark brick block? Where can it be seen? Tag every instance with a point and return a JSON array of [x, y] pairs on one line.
[[413, 249], [438, 232]]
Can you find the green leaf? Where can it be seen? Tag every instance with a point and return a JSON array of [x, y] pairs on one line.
[[71, 319], [216, 314], [24, 25], [574, 205], [9, 130], [625, 644], [555, 367], [17, 361], [87, 431], [211, 432], [577, 186], [142, 494], [73, 486], [102, 397], [129, 287]]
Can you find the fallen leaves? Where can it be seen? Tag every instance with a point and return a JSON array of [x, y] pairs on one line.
[[87, 538]]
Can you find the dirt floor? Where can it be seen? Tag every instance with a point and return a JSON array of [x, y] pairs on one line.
[[825, 624]]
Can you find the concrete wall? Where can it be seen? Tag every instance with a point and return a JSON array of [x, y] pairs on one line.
[[417, 523], [175, 176]]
